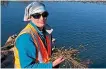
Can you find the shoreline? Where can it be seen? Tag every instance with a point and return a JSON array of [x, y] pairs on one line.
[[82, 1]]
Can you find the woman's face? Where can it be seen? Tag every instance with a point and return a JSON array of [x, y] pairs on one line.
[[39, 19]]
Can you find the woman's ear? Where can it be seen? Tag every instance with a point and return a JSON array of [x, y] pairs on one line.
[[30, 17]]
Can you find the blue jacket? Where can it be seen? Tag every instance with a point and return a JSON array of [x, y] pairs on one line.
[[27, 51]]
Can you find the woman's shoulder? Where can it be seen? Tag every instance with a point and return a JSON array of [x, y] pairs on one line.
[[24, 36]]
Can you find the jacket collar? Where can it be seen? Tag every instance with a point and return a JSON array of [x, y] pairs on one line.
[[48, 29]]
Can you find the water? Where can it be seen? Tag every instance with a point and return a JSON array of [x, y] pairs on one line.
[[75, 24]]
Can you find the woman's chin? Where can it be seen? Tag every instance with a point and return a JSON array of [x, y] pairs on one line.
[[41, 25]]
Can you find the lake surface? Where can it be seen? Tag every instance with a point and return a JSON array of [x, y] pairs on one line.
[[75, 24]]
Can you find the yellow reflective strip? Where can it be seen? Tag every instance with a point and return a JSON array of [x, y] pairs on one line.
[[28, 26], [17, 61], [21, 33]]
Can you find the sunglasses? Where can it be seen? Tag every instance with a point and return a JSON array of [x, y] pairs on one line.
[[38, 15]]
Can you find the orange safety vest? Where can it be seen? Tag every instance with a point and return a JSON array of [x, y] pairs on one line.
[[46, 53]]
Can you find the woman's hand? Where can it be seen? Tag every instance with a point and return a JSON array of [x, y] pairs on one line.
[[58, 61]]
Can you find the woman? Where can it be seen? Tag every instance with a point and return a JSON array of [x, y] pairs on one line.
[[33, 44]]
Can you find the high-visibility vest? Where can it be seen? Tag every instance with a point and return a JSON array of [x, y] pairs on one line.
[[45, 53]]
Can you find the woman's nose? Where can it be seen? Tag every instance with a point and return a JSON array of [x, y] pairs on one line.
[[41, 18]]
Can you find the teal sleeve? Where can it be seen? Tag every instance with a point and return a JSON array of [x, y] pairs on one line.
[[27, 52]]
